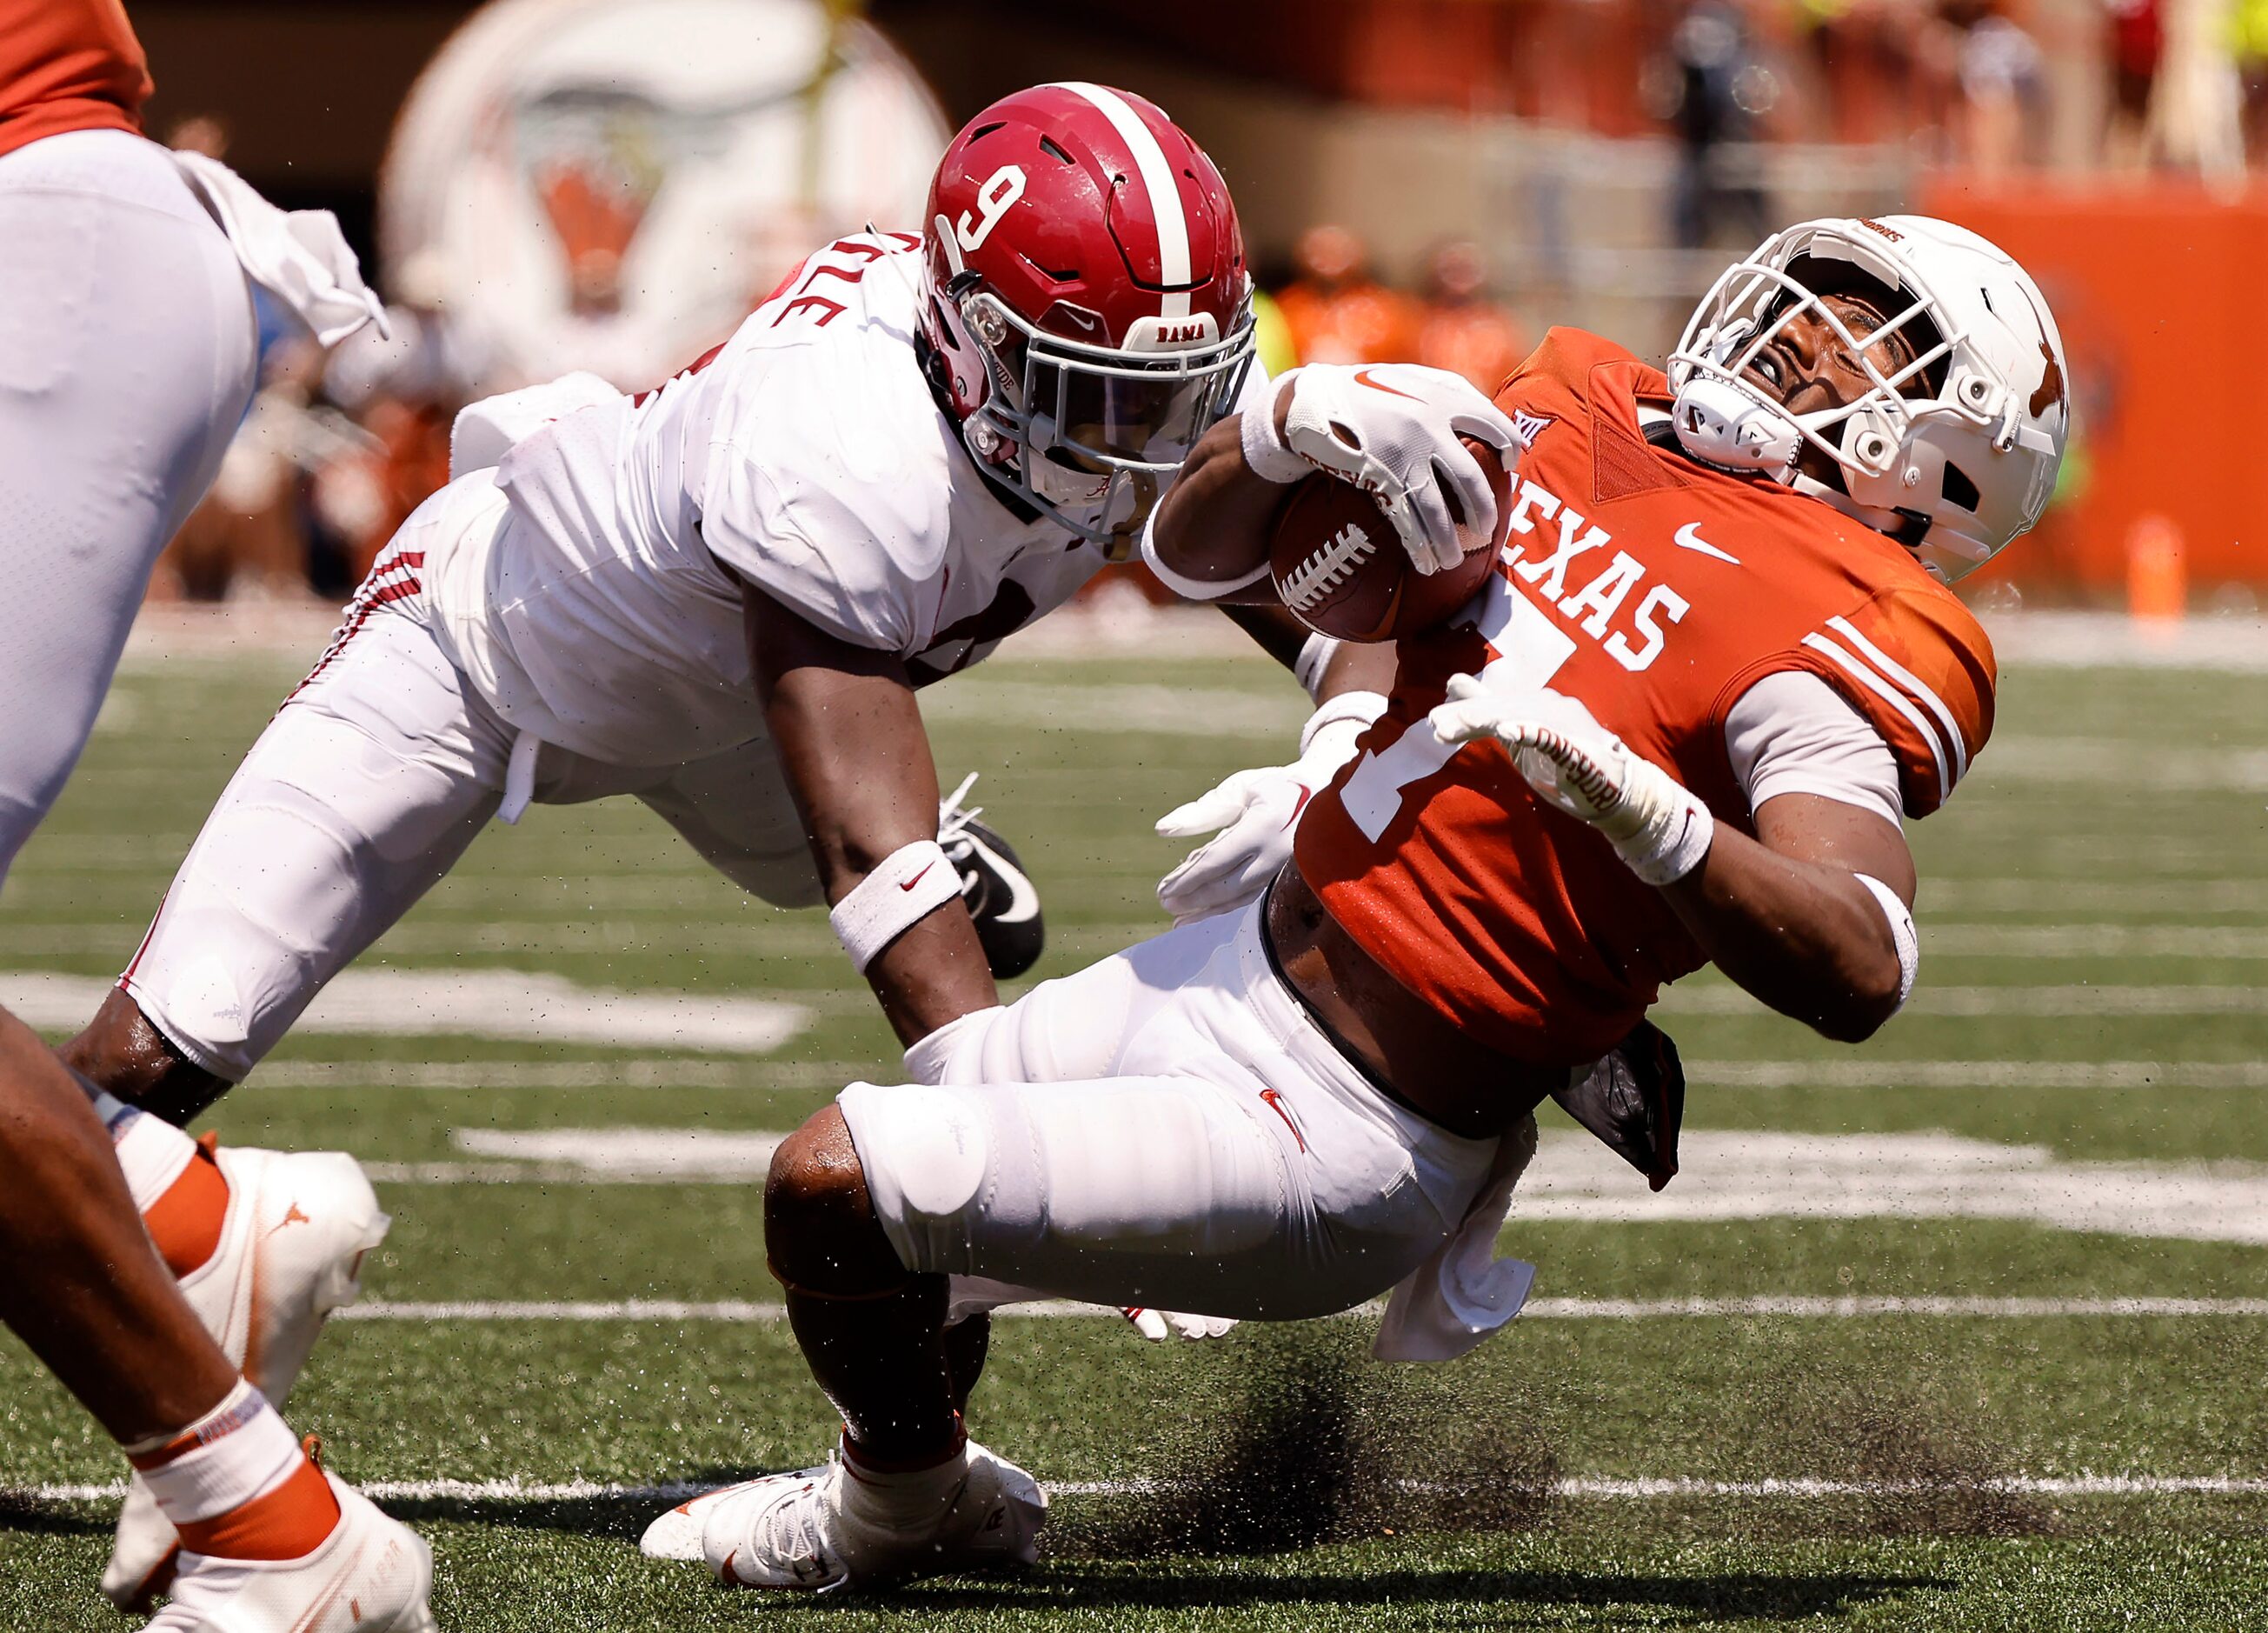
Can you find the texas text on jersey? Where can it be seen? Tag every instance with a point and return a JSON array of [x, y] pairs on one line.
[[804, 456], [1656, 590]]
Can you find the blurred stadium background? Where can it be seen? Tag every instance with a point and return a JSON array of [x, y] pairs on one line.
[[1964, 1328], [607, 184]]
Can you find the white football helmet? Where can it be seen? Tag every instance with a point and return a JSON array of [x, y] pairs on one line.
[[1953, 456]]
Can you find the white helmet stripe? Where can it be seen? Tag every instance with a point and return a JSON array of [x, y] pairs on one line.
[[1157, 172]]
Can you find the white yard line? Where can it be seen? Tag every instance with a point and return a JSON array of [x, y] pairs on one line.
[[639, 1072], [2089, 941], [1594, 1488], [1800, 1307], [524, 1006], [1870, 1074], [1727, 1173], [1721, 998]]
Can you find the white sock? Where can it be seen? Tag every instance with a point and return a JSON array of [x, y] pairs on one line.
[[240, 1450], [151, 1150], [900, 1498]]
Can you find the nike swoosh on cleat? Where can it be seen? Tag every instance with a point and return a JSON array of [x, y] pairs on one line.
[[1362, 377], [1023, 899], [1689, 538]]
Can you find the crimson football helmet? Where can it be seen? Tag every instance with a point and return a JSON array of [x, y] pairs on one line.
[[1088, 311]]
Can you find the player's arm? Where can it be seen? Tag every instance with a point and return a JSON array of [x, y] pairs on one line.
[[1786, 914], [1393, 430], [1812, 916], [851, 739]]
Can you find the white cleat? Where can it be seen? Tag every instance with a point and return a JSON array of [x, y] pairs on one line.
[[819, 1529], [372, 1574], [290, 1251]]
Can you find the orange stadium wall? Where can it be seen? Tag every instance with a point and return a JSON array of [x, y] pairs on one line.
[[2158, 295]]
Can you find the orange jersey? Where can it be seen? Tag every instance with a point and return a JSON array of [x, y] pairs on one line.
[[1657, 591], [68, 65]]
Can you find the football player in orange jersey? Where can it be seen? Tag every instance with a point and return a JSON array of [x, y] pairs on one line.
[[1681, 725]]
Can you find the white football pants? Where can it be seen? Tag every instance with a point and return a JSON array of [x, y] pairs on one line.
[[128, 351], [1166, 1127], [365, 788]]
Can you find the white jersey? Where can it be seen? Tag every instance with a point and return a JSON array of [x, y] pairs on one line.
[[805, 456]]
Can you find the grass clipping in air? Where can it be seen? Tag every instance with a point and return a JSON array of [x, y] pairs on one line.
[[1308, 1441]]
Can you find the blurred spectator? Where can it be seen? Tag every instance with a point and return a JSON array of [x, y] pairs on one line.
[[1862, 55], [1335, 312], [2248, 48], [1271, 335], [2136, 40], [1719, 90], [1462, 330], [1997, 70]]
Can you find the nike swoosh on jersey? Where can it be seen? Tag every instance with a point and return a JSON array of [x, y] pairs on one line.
[[1689, 536], [1023, 898]]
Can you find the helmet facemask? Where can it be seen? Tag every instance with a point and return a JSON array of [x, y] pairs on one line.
[[1727, 415], [1090, 434]]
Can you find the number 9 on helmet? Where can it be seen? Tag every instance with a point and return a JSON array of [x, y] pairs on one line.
[[1088, 313]]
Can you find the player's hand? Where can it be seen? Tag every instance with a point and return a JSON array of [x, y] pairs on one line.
[[1253, 815], [1391, 429], [1577, 764], [1158, 1326]]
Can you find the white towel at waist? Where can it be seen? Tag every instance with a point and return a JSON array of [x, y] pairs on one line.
[[1463, 1292], [300, 256]]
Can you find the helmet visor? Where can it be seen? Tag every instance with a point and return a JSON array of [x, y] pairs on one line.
[[1147, 419]]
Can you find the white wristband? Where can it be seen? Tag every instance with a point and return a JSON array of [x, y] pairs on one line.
[[1263, 450], [1662, 833], [1902, 935], [912, 882], [1359, 708], [1188, 589], [1315, 657]]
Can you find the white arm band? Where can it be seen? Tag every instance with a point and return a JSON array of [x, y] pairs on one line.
[[912, 882], [1902, 934], [1358, 708], [1188, 589], [1314, 658]]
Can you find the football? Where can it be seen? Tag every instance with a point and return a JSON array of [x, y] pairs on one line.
[[1339, 568]]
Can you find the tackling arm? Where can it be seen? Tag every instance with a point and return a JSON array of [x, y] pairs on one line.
[[851, 739]]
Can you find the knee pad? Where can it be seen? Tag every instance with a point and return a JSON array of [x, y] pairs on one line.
[[926, 1152]]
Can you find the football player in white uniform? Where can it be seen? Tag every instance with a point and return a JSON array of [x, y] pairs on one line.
[[145, 1274], [1474, 888], [720, 595]]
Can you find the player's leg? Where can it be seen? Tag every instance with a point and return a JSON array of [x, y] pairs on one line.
[[362, 793], [1233, 1163], [126, 358], [364, 789]]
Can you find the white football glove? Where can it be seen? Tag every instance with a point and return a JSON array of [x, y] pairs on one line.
[[1158, 1326], [1391, 429], [1654, 822], [1257, 813]]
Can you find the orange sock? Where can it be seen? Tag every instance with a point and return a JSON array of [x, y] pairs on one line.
[[289, 1523], [186, 1222]]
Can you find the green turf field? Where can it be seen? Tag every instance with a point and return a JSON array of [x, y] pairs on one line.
[[1688, 1430]]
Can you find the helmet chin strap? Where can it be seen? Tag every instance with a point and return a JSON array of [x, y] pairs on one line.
[[1720, 425]]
